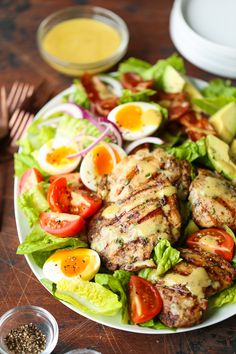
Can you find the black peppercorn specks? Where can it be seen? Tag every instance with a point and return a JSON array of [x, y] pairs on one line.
[[26, 339]]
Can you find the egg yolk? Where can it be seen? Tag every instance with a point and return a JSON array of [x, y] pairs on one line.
[[102, 160], [59, 156], [129, 117], [72, 262]]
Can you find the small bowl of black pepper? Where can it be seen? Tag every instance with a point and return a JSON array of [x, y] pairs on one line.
[[29, 330]]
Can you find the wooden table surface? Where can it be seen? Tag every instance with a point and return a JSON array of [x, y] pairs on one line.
[[19, 60]]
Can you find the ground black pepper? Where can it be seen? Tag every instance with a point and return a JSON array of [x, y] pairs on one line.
[[26, 339]]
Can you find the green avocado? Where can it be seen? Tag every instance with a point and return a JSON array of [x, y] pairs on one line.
[[218, 154], [193, 93], [172, 81], [224, 122]]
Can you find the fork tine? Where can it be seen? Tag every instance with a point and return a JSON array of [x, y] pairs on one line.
[[15, 121], [16, 96], [25, 122], [12, 93], [4, 110], [22, 91]]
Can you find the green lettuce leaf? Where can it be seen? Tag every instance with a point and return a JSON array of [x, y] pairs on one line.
[[189, 150], [212, 104], [129, 96], [117, 284], [49, 285], [227, 296], [41, 257], [40, 240], [134, 65], [149, 72], [155, 324], [33, 202], [219, 87], [78, 95], [165, 256], [70, 127], [22, 162], [88, 296]]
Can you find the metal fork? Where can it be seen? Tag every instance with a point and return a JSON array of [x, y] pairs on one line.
[[19, 122], [4, 127], [17, 95]]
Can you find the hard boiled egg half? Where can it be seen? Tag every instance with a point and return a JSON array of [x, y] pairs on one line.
[[98, 162], [52, 157], [136, 119], [67, 264]]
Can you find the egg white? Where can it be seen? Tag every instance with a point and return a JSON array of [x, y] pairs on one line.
[[145, 130], [61, 168], [88, 174], [52, 268]]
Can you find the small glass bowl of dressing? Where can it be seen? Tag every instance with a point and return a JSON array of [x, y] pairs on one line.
[[82, 39], [25, 315]]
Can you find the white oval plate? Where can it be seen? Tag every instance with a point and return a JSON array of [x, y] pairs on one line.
[[114, 321]]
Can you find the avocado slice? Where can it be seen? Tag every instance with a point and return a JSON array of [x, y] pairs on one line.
[[218, 154], [193, 93], [172, 81], [224, 122]]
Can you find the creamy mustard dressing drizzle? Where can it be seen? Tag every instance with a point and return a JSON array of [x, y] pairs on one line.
[[195, 282], [81, 41], [214, 188]]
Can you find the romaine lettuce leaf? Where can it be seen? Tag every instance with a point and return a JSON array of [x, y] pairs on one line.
[[41, 257], [165, 256], [189, 150], [227, 296], [49, 285], [156, 324], [212, 104], [219, 87], [33, 202], [149, 72], [118, 284], [88, 296], [134, 65], [22, 162], [129, 96], [78, 95], [40, 240]]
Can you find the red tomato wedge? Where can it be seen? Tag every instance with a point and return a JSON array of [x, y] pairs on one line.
[[61, 224], [213, 240], [145, 300], [84, 203], [72, 179], [29, 180], [59, 196]]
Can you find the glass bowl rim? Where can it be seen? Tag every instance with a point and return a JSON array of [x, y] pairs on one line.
[[123, 30], [35, 309]]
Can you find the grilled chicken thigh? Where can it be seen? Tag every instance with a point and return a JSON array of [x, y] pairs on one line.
[[213, 200], [186, 287], [141, 208]]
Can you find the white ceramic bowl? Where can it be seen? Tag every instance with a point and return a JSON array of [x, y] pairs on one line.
[[206, 54]]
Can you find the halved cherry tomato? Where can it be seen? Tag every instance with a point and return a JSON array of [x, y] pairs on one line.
[[145, 300], [71, 178], [213, 240], [61, 224], [59, 196], [30, 179], [84, 203]]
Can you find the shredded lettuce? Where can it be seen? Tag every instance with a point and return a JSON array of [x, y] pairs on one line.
[[227, 296], [189, 150], [117, 283], [88, 296], [219, 87], [39, 240], [33, 202], [129, 96]]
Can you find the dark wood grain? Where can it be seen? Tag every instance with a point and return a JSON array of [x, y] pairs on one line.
[[20, 60]]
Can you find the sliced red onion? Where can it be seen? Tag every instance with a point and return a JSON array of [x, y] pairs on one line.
[[148, 139], [90, 147], [115, 84], [50, 122], [115, 131], [68, 108], [87, 115]]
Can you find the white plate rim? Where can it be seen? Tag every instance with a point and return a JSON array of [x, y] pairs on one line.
[[220, 315]]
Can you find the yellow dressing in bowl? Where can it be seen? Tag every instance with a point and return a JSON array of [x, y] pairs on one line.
[[81, 40]]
